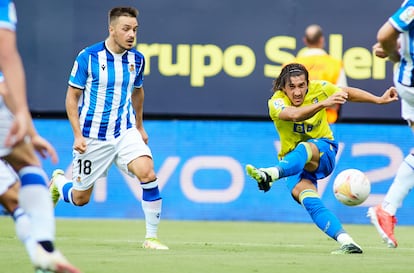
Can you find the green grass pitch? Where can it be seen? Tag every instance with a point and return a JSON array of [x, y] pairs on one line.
[[114, 246]]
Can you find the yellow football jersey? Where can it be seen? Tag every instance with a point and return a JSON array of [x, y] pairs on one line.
[[317, 126], [322, 66]]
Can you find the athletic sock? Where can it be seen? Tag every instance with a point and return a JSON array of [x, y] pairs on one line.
[[151, 205], [401, 186], [64, 187], [34, 199], [22, 224], [344, 239], [321, 216], [67, 193], [23, 230]]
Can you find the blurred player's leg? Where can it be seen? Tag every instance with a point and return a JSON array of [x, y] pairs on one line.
[[383, 215], [54, 261], [384, 223], [35, 201]]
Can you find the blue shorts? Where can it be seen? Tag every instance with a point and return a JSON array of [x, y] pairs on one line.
[[328, 149]]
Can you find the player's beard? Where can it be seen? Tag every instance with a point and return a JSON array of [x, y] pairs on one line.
[[125, 46]]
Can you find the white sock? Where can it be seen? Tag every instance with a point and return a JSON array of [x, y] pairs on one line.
[[273, 172], [36, 202], [21, 224], [400, 187], [344, 238], [152, 212], [23, 230], [60, 181]]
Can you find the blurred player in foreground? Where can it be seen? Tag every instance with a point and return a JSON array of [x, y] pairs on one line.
[[104, 103], [35, 222], [308, 147], [396, 41], [320, 65], [28, 226]]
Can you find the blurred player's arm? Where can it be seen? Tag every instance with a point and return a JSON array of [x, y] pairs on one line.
[[137, 98], [72, 97], [12, 67], [8, 100], [387, 38], [42, 146]]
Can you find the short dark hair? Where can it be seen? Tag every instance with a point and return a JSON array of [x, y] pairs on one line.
[[290, 70], [122, 11]]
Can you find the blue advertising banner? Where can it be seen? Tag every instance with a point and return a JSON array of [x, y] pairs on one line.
[[200, 168]]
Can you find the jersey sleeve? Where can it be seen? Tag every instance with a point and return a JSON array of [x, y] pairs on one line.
[[276, 105], [8, 17], [79, 72], [139, 78], [403, 18], [329, 88]]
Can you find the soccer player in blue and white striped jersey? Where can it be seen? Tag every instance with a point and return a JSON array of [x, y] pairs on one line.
[[104, 104], [396, 42]]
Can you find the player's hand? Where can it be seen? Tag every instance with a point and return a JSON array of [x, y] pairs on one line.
[[79, 144], [18, 130], [44, 148], [336, 98], [389, 95], [379, 51]]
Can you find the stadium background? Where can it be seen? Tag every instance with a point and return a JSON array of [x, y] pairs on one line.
[[210, 66]]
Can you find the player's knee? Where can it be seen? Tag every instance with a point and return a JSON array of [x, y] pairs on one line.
[[80, 202], [147, 176], [80, 199]]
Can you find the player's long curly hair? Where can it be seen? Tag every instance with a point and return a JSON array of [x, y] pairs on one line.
[[290, 70]]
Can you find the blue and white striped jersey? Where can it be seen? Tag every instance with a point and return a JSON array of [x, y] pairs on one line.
[[107, 80], [8, 18], [403, 21]]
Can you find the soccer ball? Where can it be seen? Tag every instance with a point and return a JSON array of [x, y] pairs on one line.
[[351, 187]]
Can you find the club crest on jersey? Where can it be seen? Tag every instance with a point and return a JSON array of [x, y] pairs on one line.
[[407, 15], [315, 100], [131, 67], [279, 104]]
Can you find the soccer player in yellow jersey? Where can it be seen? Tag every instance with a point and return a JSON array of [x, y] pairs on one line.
[[308, 146], [320, 65]]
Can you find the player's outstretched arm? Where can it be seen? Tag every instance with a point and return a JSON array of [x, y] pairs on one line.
[[359, 95]]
